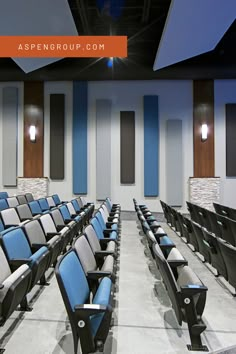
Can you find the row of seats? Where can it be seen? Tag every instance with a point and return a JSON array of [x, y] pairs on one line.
[[86, 274], [225, 211], [210, 234], [28, 248], [186, 291]]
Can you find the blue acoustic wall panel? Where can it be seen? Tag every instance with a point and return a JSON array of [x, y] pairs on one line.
[[174, 162], [151, 146], [103, 149], [80, 116], [9, 135]]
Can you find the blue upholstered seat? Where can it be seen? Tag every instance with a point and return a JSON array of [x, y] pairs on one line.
[[99, 231], [3, 204], [86, 319]]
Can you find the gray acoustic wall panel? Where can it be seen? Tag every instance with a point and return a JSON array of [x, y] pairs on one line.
[[103, 148], [174, 163], [9, 135], [230, 123], [127, 147]]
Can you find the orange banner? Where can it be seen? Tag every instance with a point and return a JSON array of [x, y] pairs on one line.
[[63, 46]]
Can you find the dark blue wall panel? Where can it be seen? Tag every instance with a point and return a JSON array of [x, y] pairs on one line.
[[151, 146], [80, 115]]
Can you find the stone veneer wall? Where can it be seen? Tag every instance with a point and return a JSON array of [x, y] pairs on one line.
[[37, 186], [204, 191]]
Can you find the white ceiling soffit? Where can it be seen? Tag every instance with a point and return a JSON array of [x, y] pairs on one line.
[[193, 27], [36, 18]]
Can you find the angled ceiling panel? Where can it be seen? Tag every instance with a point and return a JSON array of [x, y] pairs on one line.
[[32, 18], [192, 28]]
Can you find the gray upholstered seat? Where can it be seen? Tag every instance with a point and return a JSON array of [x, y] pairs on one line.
[[94, 241], [36, 235], [24, 212], [12, 202], [22, 199], [10, 218]]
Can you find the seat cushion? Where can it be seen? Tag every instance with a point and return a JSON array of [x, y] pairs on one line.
[[37, 255], [102, 297], [175, 255], [165, 240], [111, 246]]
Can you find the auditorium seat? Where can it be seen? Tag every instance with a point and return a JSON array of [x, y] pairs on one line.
[[21, 199], [229, 255], [29, 197], [18, 252], [79, 210], [101, 233], [110, 224], [4, 195], [44, 204], [217, 261], [106, 227], [36, 235], [92, 270], [89, 319], [35, 208], [193, 212], [187, 295], [10, 218], [24, 212], [51, 202], [78, 216], [50, 230], [57, 199], [203, 249], [14, 286], [12, 202], [60, 223], [105, 243], [3, 204], [68, 218], [97, 247], [226, 230]]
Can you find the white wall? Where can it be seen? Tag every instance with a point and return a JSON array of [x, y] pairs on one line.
[[225, 92], [175, 102]]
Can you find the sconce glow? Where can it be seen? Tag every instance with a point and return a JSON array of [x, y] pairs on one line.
[[204, 131], [32, 132]]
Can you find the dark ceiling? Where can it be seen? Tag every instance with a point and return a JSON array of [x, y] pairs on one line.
[[142, 21]]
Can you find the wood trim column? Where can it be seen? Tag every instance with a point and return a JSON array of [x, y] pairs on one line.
[[33, 115], [203, 112]]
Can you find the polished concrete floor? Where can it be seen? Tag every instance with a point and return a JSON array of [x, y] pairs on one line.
[[143, 321]]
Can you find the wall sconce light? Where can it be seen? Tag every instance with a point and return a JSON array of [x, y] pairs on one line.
[[204, 132], [32, 132]]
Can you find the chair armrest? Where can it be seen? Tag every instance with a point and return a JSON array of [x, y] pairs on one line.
[[50, 235], [107, 232], [1, 286], [176, 263], [212, 248], [105, 241], [109, 224], [166, 247], [193, 289], [67, 221], [102, 254], [16, 263], [97, 274], [60, 227], [36, 246], [87, 310]]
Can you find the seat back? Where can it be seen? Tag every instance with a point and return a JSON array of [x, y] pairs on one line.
[[75, 205], [21, 199], [57, 217], [4, 195], [35, 207], [43, 204], [34, 232], [29, 197], [85, 254], [99, 217], [12, 202], [169, 281], [92, 238], [10, 217], [74, 288], [47, 223], [71, 208], [65, 212], [229, 256], [226, 231], [3, 204], [51, 202], [56, 199], [97, 227], [24, 212], [15, 244]]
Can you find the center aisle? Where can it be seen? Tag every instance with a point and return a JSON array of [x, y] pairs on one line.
[[142, 323]]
